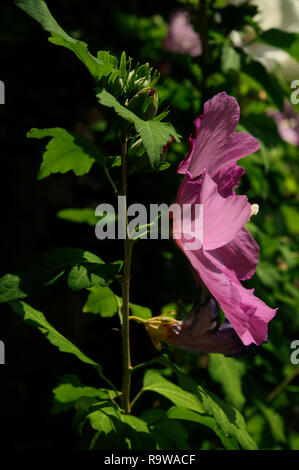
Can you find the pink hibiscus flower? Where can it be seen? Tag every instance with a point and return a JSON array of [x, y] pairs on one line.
[[287, 123], [181, 37], [228, 253]]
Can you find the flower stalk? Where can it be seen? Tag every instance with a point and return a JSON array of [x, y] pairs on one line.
[[125, 327]]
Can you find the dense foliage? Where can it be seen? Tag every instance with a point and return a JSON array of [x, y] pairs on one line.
[[182, 400]]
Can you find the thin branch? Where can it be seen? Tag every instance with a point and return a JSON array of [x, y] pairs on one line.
[[137, 396], [282, 386]]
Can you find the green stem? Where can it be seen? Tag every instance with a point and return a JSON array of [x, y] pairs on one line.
[[111, 181], [125, 327], [136, 397], [282, 386]]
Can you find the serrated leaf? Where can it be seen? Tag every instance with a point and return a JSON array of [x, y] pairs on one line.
[[155, 135], [37, 9], [228, 372], [185, 400], [79, 268], [229, 419], [176, 412], [71, 393], [36, 318], [101, 300], [66, 151], [154, 382]]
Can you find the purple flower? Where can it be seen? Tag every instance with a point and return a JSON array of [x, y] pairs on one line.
[[181, 37], [287, 123], [228, 253], [199, 332]]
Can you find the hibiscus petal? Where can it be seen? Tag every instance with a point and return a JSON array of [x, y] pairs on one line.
[[239, 255], [215, 144], [247, 314], [228, 178], [197, 333], [223, 218]]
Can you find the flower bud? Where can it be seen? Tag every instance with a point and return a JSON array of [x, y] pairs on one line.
[[145, 103]]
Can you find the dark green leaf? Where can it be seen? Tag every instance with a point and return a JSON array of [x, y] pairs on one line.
[[80, 269], [35, 318], [289, 42], [268, 82]]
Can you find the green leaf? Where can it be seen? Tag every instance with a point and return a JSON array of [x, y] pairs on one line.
[[229, 419], [264, 79], [275, 422], [141, 312], [228, 372], [154, 382], [291, 217], [137, 433], [170, 434], [70, 393], [66, 151], [98, 66], [230, 59], [185, 400], [289, 42], [117, 430], [79, 268], [154, 134], [105, 419], [85, 215], [101, 300], [268, 274], [176, 412], [35, 318]]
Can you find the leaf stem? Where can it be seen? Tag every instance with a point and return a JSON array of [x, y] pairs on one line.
[[111, 181], [136, 397], [125, 327], [282, 386]]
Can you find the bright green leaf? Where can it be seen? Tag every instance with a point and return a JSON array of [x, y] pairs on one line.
[[98, 66], [154, 134], [228, 372], [229, 419], [101, 300], [70, 393], [66, 151], [85, 215]]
